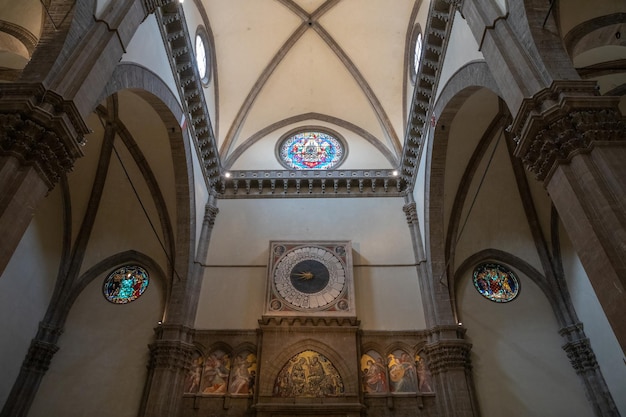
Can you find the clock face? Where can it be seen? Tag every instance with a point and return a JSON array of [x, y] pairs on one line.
[[309, 277]]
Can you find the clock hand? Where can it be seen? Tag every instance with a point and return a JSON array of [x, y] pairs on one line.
[[304, 275]]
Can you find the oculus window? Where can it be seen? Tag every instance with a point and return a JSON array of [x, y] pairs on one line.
[[311, 149], [496, 282], [125, 284], [202, 55], [416, 52]]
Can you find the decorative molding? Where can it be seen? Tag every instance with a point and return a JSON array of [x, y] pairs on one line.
[[39, 356], [178, 44], [40, 128], [210, 214], [307, 321], [445, 355], [435, 41], [410, 209], [28, 39], [171, 354], [562, 121], [150, 6], [344, 183]]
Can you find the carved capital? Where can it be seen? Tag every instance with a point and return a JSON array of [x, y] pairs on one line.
[[562, 121], [40, 128], [210, 214], [39, 356], [410, 209], [446, 355], [581, 355], [171, 354]]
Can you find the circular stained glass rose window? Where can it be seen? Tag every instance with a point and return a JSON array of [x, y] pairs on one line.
[[496, 282], [311, 149], [125, 284]]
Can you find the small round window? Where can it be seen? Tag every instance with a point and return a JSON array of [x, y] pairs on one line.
[[311, 149], [202, 55], [417, 52], [125, 284], [495, 282]]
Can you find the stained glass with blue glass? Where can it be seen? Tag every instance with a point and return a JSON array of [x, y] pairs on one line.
[[125, 284], [495, 282], [311, 150]]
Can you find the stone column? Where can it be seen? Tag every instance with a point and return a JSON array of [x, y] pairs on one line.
[[171, 353], [574, 141], [40, 138], [447, 352], [448, 358], [42, 349], [584, 362]]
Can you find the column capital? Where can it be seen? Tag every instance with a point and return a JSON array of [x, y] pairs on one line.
[[445, 355], [170, 354], [410, 210], [40, 128], [562, 121]]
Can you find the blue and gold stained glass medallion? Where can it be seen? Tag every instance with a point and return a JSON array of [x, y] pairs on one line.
[[311, 150], [496, 282], [125, 284]]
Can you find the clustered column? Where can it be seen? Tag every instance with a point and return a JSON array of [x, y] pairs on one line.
[[574, 141]]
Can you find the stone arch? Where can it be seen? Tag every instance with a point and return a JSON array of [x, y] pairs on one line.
[[155, 92], [338, 361], [560, 310], [535, 21], [463, 83]]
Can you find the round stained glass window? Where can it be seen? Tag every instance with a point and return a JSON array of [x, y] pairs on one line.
[[125, 284], [496, 282], [311, 149]]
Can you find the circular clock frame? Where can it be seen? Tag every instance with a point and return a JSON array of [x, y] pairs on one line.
[[309, 278]]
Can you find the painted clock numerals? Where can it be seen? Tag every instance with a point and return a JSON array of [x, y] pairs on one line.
[[309, 277]]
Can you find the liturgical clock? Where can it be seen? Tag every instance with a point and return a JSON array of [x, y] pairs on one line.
[[310, 277]]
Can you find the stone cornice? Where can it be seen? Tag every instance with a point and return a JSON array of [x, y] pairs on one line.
[[562, 121], [436, 35], [41, 128], [344, 183]]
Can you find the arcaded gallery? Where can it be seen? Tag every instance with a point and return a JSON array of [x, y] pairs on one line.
[[313, 208]]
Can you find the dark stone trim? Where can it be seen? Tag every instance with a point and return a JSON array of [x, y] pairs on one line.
[[22, 34], [576, 40]]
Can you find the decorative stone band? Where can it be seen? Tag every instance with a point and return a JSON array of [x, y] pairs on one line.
[[581, 355], [446, 355], [171, 354], [35, 145], [410, 210], [562, 121], [210, 214], [40, 128], [39, 356], [150, 6], [572, 133]]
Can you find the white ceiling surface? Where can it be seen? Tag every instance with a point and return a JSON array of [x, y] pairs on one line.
[[350, 68]]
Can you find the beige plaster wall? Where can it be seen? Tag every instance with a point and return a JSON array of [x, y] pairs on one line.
[[386, 286], [145, 51], [519, 367], [26, 287], [462, 49], [100, 368]]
